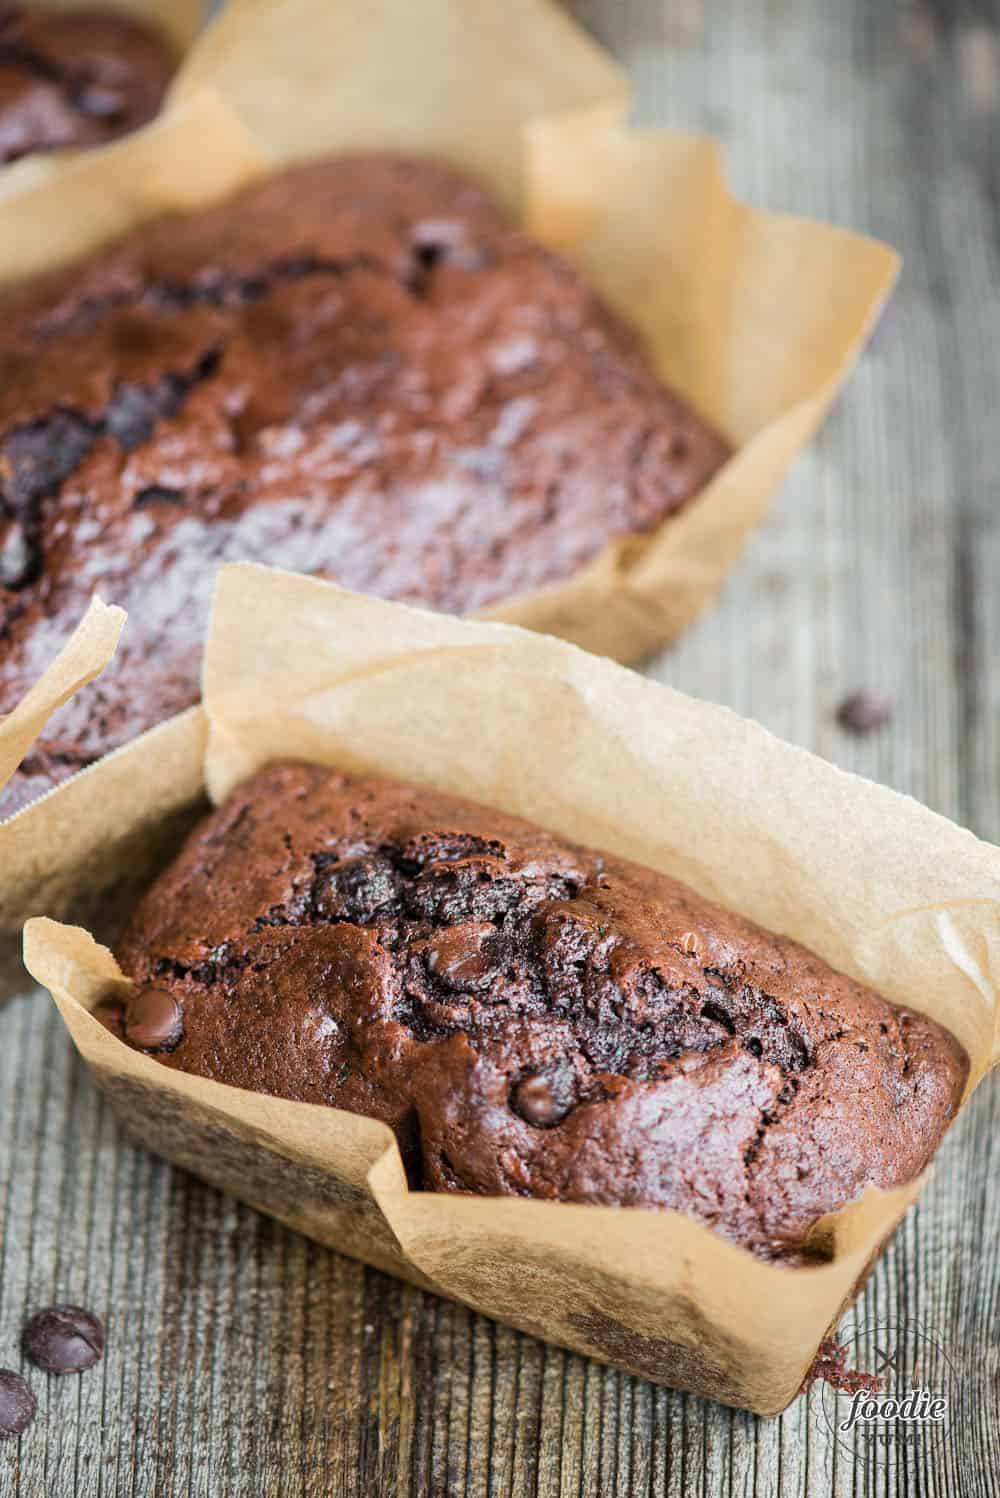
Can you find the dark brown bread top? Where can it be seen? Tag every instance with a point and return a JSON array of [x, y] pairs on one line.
[[76, 78], [530, 1017], [357, 369]]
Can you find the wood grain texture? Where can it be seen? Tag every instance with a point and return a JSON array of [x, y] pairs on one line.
[[243, 1360]]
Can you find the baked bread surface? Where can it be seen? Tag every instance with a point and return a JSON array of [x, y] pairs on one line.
[[530, 1017], [356, 369]]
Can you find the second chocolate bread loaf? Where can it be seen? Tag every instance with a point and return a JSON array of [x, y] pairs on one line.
[[357, 369]]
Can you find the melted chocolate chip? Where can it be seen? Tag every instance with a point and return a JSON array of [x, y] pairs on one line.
[[63, 1339], [461, 955], [153, 1020], [543, 1098], [18, 1406]]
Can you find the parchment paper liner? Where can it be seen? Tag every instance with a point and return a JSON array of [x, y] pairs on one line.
[[178, 20], [878, 885]]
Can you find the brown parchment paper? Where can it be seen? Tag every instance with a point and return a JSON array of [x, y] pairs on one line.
[[878, 885], [755, 317]]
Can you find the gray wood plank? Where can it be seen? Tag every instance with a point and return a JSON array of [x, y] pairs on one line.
[[243, 1360]]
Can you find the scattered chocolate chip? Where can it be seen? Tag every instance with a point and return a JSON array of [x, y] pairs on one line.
[[543, 1098], [20, 560], [153, 1020], [111, 1014], [63, 1339], [863, 712], [158, 494], [460, 955], [18, 1406]]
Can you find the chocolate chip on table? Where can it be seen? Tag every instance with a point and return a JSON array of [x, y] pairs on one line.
[[63, 1339], [153, 1020], [863, 712], [18, 1406]]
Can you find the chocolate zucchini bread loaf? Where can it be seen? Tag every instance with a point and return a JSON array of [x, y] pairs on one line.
[[357, 369], [529, 1017], [76, 78]]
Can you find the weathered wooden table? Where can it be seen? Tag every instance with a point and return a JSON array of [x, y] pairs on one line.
[[242, 1359]]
